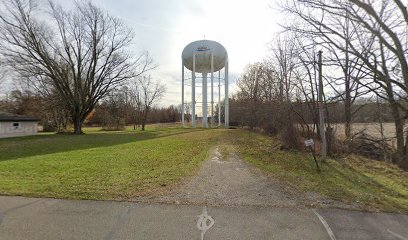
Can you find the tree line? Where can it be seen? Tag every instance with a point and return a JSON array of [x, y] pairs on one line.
[[119, 109], [364, 68]]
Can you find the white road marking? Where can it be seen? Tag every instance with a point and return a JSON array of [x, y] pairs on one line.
[[326, 225], [397, 235], [204, 222]]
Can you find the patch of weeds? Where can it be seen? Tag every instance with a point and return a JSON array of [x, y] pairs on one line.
[[376, 185]]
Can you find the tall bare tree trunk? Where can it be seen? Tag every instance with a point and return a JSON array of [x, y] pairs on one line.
[[347, 100], [399, 128], [77, 126], [144, 119]]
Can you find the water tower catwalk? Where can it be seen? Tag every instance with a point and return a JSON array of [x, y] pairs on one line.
[[208, 58]]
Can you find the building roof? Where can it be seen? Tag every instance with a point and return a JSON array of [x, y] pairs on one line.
[[10, 117]]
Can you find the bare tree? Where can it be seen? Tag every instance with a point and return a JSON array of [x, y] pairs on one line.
[[150, 92], [135, 102], [284, 58], [251, 90], [81, 54], [307, 73], [115, 103], [3, 73], [378, 46]]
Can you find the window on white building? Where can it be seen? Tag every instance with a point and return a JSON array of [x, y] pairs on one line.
[[16, 125]]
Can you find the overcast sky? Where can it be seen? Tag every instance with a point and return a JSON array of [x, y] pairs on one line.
[[165, 27]]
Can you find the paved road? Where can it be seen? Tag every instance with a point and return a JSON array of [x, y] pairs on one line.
[[43, 219]]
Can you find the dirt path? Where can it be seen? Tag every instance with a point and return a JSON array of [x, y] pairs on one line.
[[229, 181]]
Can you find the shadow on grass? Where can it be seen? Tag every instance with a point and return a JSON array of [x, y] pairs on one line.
[[21, 147]]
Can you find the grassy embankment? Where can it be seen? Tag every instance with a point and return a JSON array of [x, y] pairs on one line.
[[101, 165], [376, 185]]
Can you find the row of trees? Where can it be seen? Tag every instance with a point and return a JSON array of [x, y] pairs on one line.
[[123, 106], [116, 117], [365, 50], [73, 58], [134, 104]]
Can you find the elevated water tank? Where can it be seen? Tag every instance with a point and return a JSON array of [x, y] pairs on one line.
[[202, 49]]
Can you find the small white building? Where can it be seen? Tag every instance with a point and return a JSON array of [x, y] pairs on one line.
[[13, 125]]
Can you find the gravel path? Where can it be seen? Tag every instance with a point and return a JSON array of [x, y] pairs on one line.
[[233, 182], [229, 182]]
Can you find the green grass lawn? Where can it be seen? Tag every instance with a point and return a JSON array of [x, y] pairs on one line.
[[101, 165], [124, 164], [377, 185]]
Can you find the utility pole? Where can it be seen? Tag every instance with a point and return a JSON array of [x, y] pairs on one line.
[[323, 147]]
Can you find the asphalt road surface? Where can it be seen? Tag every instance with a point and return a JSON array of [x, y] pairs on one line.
[[43, 219]]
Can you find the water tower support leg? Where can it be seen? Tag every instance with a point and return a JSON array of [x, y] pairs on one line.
[[226, 96], [219, 98], [182, 94], [212, 89], [205, 104], [193, 120]]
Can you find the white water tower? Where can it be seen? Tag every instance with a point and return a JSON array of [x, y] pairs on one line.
[[205, 57]]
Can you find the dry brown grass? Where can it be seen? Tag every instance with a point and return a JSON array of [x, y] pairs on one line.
[[372, 129]]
